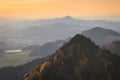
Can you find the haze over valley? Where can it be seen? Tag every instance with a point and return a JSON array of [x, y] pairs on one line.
[[30, 39]]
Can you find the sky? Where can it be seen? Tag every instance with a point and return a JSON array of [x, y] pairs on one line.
[[60, 8]]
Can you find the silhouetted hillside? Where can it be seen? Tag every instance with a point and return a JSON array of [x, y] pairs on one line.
[[101, 36]]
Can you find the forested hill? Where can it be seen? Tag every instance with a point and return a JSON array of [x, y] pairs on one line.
[[78, 59]]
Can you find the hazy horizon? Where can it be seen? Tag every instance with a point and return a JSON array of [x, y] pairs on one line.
[[80, 18]]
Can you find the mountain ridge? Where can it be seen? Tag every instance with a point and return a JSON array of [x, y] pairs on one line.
[[101, 36], [78, 59]]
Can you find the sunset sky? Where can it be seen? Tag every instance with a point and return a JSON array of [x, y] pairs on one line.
[[59, 8]]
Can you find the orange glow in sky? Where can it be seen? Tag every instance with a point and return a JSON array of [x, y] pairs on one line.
[[59, 8]]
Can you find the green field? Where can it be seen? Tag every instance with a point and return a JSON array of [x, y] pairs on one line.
[[14, 59]]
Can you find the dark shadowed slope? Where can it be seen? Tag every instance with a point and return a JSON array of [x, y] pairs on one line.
[[78, 59], [12, 73]]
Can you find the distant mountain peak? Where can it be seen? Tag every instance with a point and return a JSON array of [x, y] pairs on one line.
[[98, 27], [67, 17]]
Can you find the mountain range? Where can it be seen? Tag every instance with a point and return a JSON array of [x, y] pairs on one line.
[[40, 31], [32, 34], [49, 29], [78, 59], [100, 36], [38, 51]]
